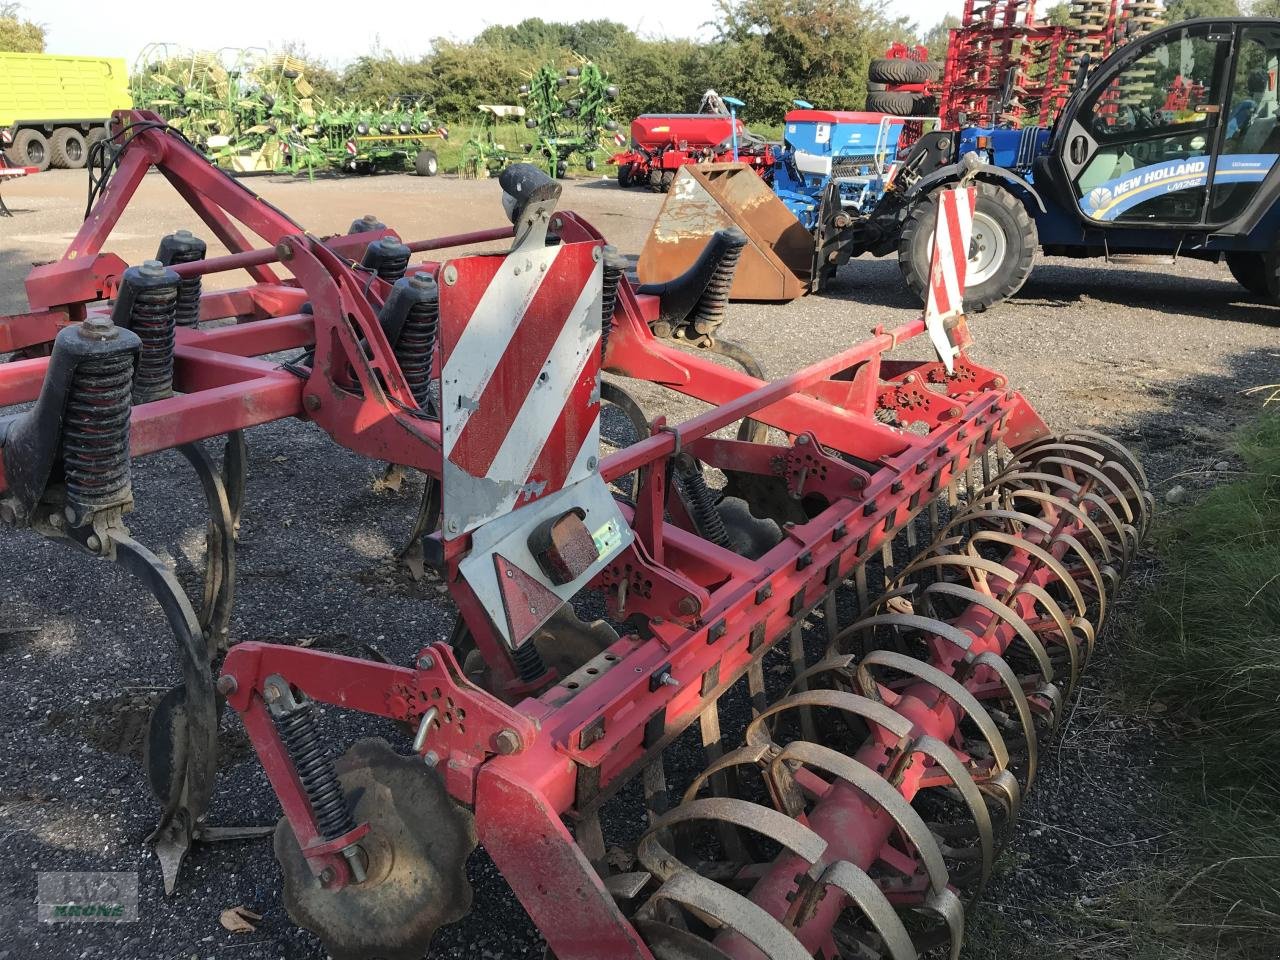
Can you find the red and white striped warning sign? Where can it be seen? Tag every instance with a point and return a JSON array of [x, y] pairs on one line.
[[950, 252], [947, 268], [520, 374]]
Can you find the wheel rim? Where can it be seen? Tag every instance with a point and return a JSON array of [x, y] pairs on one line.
[[987, 249], [35, 152], [74, 151]]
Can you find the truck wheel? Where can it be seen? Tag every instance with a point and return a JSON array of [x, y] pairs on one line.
[[96, 135], [31, 149], [67, 149], [1001, 251], [426, 164], [1250, 271], [893, 102]]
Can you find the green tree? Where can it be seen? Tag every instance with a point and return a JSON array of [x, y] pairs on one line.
[[1175, 10], [17, 34], [659, 76], [815, 49], [938, 36]]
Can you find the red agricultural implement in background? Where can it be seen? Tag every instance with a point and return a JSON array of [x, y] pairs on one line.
[[869, 585], [663, 143]]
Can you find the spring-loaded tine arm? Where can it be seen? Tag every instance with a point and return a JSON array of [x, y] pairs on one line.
[[220, 562], [1003, 612], [731, 911], [1001, 668], [911, 621], [1039, 555], [945, 757], [765, 821], [862, 707], [946, 684], [882, 793], [875, 906], [749, 755]]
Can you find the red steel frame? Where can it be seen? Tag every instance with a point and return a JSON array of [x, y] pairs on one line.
[[524, 763]]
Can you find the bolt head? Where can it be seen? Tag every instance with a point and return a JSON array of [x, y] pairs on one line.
[[98, 327], [271, 693], [687, 606], [93, 543], [284, 250], [450, 274], [151, 268], [227, 685], [426, 662], [592, 463], [507, 742], [311, 402], [431, 758], [326, 876]]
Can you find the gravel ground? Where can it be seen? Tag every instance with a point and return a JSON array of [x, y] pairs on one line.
[[1156, 357]]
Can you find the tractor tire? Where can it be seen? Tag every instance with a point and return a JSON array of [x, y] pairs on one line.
[[1003, 247], [96, 135], [1250, 271], [31, 149], [893, 102], [67, 149], [426, 163], [904, 71], [624, 176]]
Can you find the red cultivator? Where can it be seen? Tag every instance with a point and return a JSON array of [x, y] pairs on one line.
[[859, 777]]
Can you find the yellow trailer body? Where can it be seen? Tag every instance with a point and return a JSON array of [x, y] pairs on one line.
[[51, 106]]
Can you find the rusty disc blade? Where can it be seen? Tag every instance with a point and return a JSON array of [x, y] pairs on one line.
[[416, 853]]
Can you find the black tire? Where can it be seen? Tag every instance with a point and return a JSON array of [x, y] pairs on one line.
[[31, 149], [997, 210], [904, 71], [893, 102], [624, 175], [67, 149], [1250, 271], [426, 163]]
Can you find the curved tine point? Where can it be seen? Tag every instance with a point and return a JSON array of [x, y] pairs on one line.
[[749, 755], [1091, 567], [943, 682], [1041, 555], [220, 550], [1054, 696], [948, 906], [201, 708], [873, 711], [1002, 669], [945, 758], [875, 906], [1065, 505], [1004, 787], [734, 912], [838, 663], [1004, 612], [766, 821], [912, 621], [882, 793]]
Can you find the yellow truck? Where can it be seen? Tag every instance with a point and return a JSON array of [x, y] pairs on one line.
[[52, 108]]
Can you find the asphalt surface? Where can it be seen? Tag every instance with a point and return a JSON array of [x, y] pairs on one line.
[[1157, 357]]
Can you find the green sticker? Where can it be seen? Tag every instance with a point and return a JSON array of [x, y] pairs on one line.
[[608, 538]]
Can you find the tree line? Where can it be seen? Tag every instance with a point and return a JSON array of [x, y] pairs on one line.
[[764, 52]]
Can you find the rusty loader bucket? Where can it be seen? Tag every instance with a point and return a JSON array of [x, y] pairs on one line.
[[777, 262]]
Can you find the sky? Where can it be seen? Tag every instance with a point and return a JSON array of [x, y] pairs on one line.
[[339, 30]]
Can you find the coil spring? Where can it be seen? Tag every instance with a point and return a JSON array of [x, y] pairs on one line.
[[184, 247], [95, 433], [614, 264], [387, 258], [152, 316], [414, 348], [301, 735], [700, 502], [528, 661], [710, 310]]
